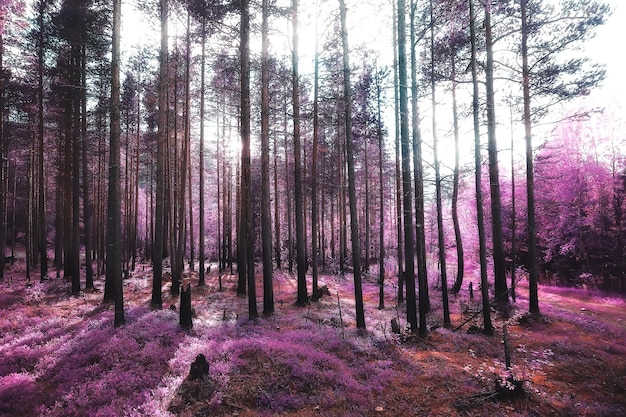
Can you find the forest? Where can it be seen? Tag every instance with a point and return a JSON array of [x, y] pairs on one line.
[[275, 207]]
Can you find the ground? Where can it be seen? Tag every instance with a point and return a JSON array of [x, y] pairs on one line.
[[61, 356]]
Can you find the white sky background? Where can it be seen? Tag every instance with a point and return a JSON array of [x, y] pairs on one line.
[[608, 47]]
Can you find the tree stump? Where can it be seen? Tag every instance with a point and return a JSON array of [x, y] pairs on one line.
[[199, 369], [395, 326]]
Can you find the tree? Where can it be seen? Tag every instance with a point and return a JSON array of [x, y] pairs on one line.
[[41, 6], [488, 326], [575, 24], [398, 175], [438, 198], [418, 179], [354, 224], [381, 195], [314, 174], [157, 251], [114, 241], [409, 245], [245, 247], [501, 291], [266, 216], [201, 254], [302, 298]]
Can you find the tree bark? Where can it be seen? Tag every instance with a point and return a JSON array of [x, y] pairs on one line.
[[354, 223], [438, 198], [302, 298], [114, 266], [266, 215], [420, 224], [488, 327], [398, 176], [43, 249], [409, 242], [501, 291], [314, 173], [460, 256], [530, 176], [159, 220], [381, 197], [246, 234], [201, 249]]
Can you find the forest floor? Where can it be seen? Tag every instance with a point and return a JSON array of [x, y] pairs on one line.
[[61, 356]]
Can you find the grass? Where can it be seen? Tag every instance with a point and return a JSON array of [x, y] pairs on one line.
[[61, 355]]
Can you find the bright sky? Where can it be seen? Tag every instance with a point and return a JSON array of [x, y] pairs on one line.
[[607, 47]]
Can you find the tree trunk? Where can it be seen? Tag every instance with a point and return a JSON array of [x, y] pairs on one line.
[[439, 203], [420, 224], [43, 246], [354, 224], [114, 266], [186, 312], [513, 208], [302, 298], [3, 181], [87, 210], [314, 173], [76, 142], [266, 215], [247, 230], [488, 327], [288, 194], [277, 244], [159, 223], [530, 176], [381, 196], [201, 250], [460, 260], [501, 291], [398, 176], [409, 243]]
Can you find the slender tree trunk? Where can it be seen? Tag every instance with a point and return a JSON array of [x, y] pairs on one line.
[[398, 175], [288, 194], [3, 180], [114, 266], [367, 202], [246, 234], [29, 209], [43, 246], [201, 249], [266, 215], [277, 244], [488, 327], [314, 173], [136, 176], [381, 195], [76, 142], [420, 223], [302, 298], [438, 198], [530, 176], [87, 210], [354, 224], [513, 208], [501, 291], [409, 242], [343, 229], [159, 223], [190, 228], [460, 257]]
